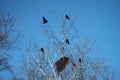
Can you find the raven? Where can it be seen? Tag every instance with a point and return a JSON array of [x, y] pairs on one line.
[[67, 41], [44, 20], [67, 17], [73, 64], [42, 50], [80, 60]]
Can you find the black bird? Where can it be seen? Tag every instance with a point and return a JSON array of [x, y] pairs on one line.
[[67, 17], [73, 64], [42, 50], [44, 20], [67, 41], [80, 60]]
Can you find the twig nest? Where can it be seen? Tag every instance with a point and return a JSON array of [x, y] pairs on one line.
[[60, 64]]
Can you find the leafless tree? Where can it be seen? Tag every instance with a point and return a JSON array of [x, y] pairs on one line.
[[7, 40], [65, 56]]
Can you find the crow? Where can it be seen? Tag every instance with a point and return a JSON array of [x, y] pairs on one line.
[[73, 64], [67, 17], [42, 50], [67, 41], [80, 60], [44, 20]]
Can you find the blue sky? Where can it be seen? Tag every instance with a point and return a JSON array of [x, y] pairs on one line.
[[99, 19]]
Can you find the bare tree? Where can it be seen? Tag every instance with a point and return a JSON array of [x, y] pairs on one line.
[[8, 38], [65, 56]]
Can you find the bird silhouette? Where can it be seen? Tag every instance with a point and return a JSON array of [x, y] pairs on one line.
[[67, 17], [44, 20], [42, 50], [73, 64], [80, 60], [67, 41]]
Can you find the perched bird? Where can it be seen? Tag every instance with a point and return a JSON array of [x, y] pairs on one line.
[[67, 17], [73, 64], [67, 41], [44, 20], [42, 50], [80, 60]]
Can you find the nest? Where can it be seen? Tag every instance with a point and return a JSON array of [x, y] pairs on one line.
[[60, 64]]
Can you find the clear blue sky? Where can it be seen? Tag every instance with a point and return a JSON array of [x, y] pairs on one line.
[[100, 19]]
